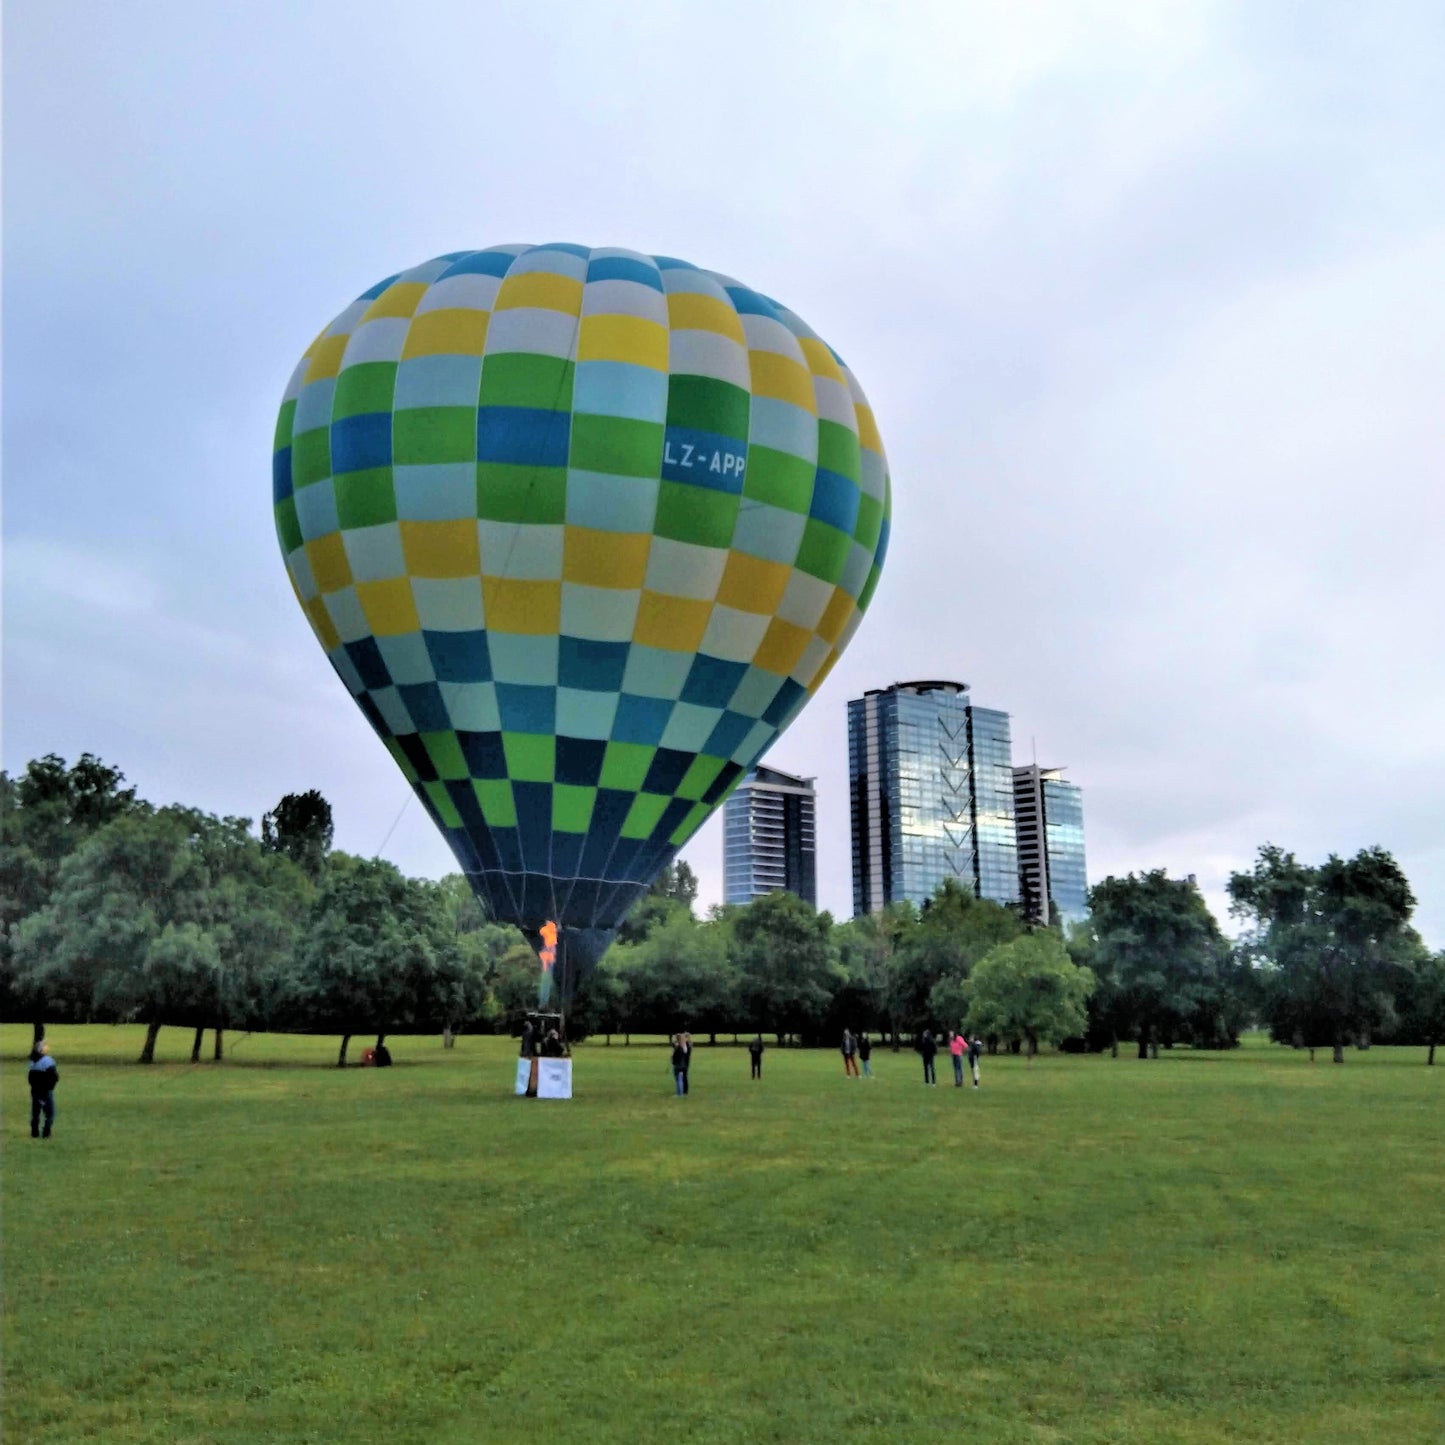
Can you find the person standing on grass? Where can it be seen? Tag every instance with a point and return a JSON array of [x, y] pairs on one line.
[[44, 1075], [955, 1047], [865, 1052], [975, 1053], [679, 1064], [686, 1059], [850, 1053], [928, 1047], [755, 1052]]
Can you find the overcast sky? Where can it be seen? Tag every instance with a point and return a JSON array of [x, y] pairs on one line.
[[1147, 298]]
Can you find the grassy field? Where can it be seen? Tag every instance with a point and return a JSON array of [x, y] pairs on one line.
[[1210, 1247]]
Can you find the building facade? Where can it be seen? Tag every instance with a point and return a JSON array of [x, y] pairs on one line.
[[1049, 818], [769, 837], [931, 795]]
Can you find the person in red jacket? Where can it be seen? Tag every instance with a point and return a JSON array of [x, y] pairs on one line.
[[955, 1047]]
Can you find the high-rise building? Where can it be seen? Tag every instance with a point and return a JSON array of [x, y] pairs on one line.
[[1049, 816], [769, 838], [931, 795]]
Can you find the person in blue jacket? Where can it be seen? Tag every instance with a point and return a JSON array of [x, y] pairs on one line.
[[43, 1076]]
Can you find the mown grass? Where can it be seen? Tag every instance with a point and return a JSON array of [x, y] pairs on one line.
[[1210, 1247]]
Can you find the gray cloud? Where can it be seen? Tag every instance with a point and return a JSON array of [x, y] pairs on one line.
[[1147, 305]]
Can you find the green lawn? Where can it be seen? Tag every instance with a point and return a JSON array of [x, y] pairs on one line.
[[1210, 1247]]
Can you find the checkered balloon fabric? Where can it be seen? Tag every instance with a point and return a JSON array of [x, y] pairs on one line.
[[581, 530]]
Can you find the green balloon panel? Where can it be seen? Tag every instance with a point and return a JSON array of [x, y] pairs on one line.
[[581, 530]]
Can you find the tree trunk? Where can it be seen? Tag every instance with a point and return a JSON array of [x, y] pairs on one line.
[[1339, 1054], [380, 1040], [1430, 1057], [1153, 1051], [196, 1046], [1144, 1042], [627, 1041], [1312, 1053], [1033, 1049], [609, 1041], [37, 1033], [447, 1040], [219, 1052], [1114, 1047], [712, 1039], [148, 1053], [341, 1058]]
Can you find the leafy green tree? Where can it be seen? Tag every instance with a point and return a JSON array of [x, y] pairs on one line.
[[954, 930], [1028, 989], [165, 917], [1158, 950], [467, 984], [371, 952], [1334, 942], [784, 952], [300, 826], [602, 1003], [1425, 1002], [682, 977], [515, 983], [870, 950], [672, 895], [45, 815]]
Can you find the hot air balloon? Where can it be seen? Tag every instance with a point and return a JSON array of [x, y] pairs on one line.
[[581, 530]]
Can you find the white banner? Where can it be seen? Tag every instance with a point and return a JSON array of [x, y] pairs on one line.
[[524, 1075], [554, 1078]]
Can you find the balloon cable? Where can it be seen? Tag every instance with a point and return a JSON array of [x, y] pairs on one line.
[[406, 803]]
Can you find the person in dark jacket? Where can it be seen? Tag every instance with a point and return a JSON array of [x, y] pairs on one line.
[[975, 1053], [849, 1047], [529, 1040], [865, 1052], [755, 1052], [44, 1075], [928, 1047], [679, 1064]]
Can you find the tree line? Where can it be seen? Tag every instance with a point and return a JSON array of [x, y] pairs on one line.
[[112, 909]]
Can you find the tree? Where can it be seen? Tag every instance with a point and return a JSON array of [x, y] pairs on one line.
[[681, 976], [784, 951], [1425, 1002], [1335, 943], [1029, 989], [370, 954], [166, 917], [602, 1002], [678, 882], [45, 815], [954, 930], [300, 826], [515, 983], [1157, 949], [672, 894]]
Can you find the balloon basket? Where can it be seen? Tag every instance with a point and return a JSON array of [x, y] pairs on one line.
[[544, 1079]]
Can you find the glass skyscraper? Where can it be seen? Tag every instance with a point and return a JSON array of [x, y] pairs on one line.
[[769, 837], [931, 780], [1050, 821]]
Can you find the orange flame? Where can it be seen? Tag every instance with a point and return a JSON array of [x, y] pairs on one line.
[[548, 953]]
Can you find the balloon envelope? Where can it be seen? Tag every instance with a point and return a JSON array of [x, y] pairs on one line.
[[581, 530]]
